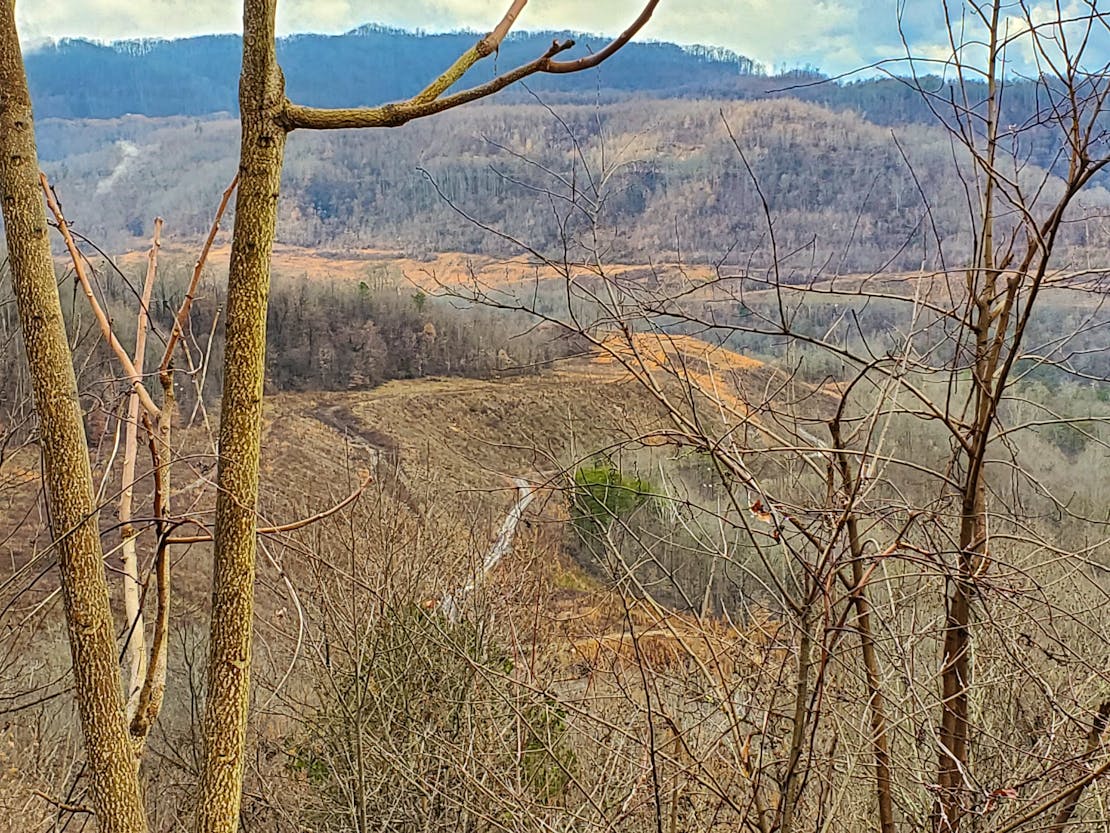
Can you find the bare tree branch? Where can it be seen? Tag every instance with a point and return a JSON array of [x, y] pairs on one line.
[[486, 46], [186, 305], [428, 102], [292, 526], [135, 652], [133, 374]]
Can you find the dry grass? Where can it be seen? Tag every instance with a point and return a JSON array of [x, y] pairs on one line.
[[600, 631], [442, 270], [443, 442]]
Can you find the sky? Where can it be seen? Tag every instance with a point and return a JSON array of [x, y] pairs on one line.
[[833, 35]]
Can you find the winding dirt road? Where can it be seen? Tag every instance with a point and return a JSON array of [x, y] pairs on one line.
[[451, 604]]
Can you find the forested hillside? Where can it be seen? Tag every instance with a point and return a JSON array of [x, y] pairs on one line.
[[197, 76], [637, 156], [640, 155], [648, 176], [663, 446]]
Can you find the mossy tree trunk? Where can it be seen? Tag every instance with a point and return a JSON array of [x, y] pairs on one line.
[[70, 496], [261, 99]]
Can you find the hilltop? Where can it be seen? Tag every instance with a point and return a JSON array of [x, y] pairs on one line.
[[442, 448], [630, 182], [440, 451], [198, 76]]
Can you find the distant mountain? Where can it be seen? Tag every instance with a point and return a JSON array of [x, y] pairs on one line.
[[136, 129], [632, 180], [199, 76]]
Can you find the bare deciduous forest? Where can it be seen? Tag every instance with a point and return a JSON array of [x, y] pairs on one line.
[[660, 445]]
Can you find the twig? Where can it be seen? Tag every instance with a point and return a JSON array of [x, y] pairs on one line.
[[133, 375], [428, 102], [198, 267], [486, 46], [1094, 738], [1073, 789], [65, 806], [289, 527]]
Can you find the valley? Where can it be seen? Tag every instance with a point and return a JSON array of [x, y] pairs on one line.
[[557, 432]]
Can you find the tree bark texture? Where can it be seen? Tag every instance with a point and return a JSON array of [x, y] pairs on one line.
[[261, 99], [266, 118], [116, 797]]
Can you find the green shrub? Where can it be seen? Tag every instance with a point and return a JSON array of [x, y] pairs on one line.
[[602, 494]]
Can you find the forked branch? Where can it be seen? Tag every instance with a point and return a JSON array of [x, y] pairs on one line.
[[429, 101], [133, 374], [486, 46], [198, 267]]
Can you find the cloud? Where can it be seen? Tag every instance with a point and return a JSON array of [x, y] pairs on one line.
[[116, 19], [1032, 35]]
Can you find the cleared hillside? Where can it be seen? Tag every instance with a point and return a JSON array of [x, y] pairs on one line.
[[658, 179], [443, 445]]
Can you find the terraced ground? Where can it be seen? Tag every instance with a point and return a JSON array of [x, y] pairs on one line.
[[444, 270], [442, 449]]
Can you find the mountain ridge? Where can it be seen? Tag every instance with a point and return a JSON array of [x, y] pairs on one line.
[[198, 76]]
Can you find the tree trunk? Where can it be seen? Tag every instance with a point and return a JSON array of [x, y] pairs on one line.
[[261, 97], [70, 499], [266, 118], [876, 702], [134, 656], [988, 325]]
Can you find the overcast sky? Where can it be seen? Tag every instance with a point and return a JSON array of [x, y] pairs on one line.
[[834, 35]]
